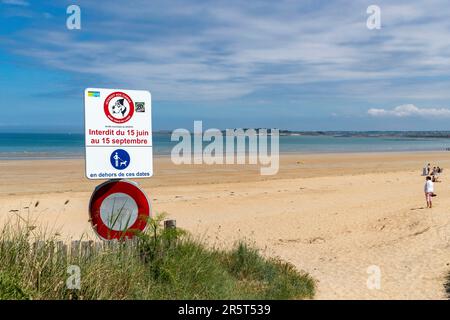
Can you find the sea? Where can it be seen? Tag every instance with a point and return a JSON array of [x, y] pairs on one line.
[[62, 145]]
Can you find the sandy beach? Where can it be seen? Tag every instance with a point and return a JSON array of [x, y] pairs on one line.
[[332, 215]]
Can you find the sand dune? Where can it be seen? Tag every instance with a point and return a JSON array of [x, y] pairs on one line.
[[330, 215]]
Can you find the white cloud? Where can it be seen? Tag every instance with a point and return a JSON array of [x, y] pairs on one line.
[[16, 2], [408, 110], [235, 49]]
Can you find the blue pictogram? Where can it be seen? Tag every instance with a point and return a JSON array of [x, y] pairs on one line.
[[120, 159]]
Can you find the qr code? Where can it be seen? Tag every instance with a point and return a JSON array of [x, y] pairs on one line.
[[139, 106]]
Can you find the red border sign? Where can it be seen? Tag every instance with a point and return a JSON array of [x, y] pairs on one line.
[[115, 95], [121, 186]]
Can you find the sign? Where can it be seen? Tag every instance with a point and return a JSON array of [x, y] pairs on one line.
[[118, 134], [118, 210]]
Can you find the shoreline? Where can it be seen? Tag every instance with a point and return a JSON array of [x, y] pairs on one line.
[[31, 156]]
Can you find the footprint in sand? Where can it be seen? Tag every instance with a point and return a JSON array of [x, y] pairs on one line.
[[413, 225], [316, 240], [420, 232]]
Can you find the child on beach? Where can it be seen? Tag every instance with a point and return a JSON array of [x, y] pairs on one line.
[[429, 190]]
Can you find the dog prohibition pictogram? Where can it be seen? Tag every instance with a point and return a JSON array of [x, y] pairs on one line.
[[118, 107]]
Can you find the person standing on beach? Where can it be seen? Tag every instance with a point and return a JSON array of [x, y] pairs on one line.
[[429, 190]]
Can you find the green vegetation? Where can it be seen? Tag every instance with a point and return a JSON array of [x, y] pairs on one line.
[[162, 264]]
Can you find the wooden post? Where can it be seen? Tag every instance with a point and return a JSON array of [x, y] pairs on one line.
[[113, 244], [86, 248], [74, 249], [129, 247], [37, 246], [51, 248], [170, 224], [61, 251], [98, 246]]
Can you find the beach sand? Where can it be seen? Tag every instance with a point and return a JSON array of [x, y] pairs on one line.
[[331, 215]]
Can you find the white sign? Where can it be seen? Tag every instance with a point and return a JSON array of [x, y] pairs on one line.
[[118, 134]]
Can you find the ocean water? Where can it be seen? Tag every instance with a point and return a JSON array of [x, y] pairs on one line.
[[26, 145]]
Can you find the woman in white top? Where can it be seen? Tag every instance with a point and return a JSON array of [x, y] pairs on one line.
[[429, 190]]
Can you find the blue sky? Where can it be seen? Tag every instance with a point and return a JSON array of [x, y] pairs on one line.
[[305, 65]]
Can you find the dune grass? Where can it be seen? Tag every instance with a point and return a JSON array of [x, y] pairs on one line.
[[163, 264]]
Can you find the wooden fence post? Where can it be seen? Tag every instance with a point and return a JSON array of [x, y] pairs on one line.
[[170, 224], [74, 249], [61, 251], [37, 246], [86, 248]]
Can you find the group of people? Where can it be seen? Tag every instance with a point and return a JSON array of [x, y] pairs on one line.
[[432, 172], [432, 175]]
